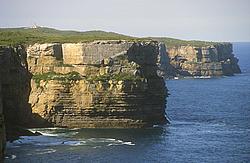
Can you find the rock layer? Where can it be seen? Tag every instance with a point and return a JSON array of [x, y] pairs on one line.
[[115, 85], [213, 60]]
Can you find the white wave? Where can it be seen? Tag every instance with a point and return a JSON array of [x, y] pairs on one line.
[[12, 157], [100, 140], [109, 145], [47, 152], [68, 133], [48, 140], [73, 129], [123, 143], [35, 140], [48, 134], [51, 129], [202, 77], [43, 141], [74, 143], [128, 143], [96, 142], [42, 151], [45, 132], [54, 132], [63, 134]]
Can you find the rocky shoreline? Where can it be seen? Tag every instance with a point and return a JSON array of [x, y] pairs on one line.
[[112, 84], [99, 84]]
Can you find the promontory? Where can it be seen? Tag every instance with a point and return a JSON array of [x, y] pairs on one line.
[[95, 79]]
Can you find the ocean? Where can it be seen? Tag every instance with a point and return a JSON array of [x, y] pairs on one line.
[[210, 122]]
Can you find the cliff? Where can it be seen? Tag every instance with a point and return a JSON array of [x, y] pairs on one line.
[[212, 60], [166, 69], [199, 58], [2, 127], [100, 84], [186, 58], [93, 84], [112, 84], [14, 91]]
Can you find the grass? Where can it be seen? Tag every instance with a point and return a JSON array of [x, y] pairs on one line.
[[74, 76], [61, 64], [26, 36], [172, 42], [114, 77]]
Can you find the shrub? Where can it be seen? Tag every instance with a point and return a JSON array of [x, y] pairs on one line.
[[115, 77], [72, 76]]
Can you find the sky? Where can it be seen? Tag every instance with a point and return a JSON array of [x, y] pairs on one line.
[[212, 20]]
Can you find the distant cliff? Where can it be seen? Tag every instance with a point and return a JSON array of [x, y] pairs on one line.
[[199, 58], [215, 60]]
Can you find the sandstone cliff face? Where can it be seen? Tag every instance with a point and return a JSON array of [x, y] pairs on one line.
[[94, 52], [105, 84], [214, 60], [114, 84]]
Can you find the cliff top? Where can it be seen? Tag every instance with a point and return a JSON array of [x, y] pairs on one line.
[[15, 36], [171, 42]]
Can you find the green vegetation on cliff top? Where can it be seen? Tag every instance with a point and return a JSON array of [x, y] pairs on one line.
[[15, 36], [171, 42]]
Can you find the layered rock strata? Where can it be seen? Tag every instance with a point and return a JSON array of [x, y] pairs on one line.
[[216, 60], [111, 84]]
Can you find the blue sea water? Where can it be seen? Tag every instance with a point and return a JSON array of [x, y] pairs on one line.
[[210, 122]]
